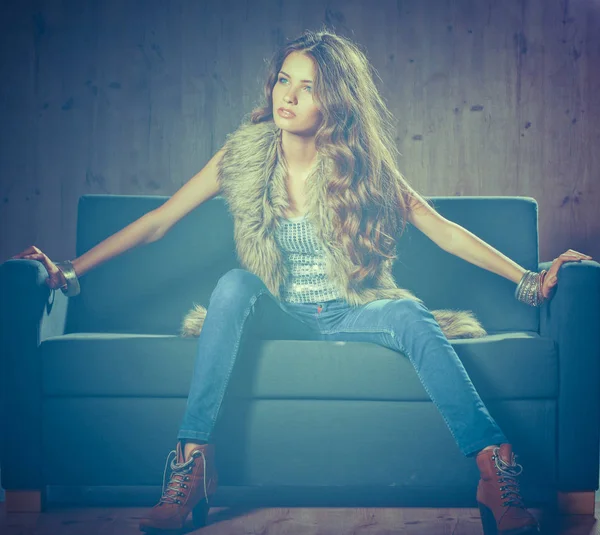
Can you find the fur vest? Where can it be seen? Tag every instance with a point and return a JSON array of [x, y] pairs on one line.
[[253, 182]]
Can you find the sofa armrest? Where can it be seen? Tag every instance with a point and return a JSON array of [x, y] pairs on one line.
[[572, 319], [29, 313]]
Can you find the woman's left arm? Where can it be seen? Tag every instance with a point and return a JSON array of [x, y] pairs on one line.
[[460, 242], [469, 247]]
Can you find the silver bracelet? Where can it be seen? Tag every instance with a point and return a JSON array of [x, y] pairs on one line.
[[529, 289], [71, 288]]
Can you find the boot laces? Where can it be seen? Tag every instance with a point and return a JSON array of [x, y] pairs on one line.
[[508, 473], [172, 491]]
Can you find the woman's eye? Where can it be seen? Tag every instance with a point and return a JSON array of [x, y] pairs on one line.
[[283, 80]]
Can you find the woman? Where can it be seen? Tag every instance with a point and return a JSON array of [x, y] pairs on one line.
[[317, 201]]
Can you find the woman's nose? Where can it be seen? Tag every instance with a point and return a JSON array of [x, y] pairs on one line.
[[289, 97]]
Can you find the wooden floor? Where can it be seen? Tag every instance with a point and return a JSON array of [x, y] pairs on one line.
[[290, 521]]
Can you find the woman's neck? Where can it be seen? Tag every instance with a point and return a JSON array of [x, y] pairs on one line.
[[300, 152]]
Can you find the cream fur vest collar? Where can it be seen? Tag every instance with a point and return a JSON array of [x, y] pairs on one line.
[[253, 183]]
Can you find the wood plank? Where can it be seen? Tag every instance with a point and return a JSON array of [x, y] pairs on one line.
[[576, 503], [279, 521]]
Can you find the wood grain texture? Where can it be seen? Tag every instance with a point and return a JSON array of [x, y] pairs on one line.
[[576, 503], [285, 521], [104, 96]]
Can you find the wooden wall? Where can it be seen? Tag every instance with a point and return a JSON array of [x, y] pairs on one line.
[[491, 97]]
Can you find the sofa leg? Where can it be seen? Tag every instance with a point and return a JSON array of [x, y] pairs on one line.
[[576, 503], [23, 501]]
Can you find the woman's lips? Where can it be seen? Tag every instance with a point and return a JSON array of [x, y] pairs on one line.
[[286, 114]]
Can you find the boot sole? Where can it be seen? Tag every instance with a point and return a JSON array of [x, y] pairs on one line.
[[490, 528]]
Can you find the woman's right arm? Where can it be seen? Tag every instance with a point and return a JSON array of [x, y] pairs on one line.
[[148, 228]]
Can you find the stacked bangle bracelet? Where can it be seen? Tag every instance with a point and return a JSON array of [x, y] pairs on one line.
[[529, 289], [71, 288]]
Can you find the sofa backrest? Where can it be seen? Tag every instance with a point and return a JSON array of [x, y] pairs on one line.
[[442, 280], [149, 289]]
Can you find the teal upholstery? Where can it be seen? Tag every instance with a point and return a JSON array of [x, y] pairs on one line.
[[302, 370], [87, 381]]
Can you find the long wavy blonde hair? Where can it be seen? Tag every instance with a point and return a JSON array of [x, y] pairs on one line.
[[369, 196]]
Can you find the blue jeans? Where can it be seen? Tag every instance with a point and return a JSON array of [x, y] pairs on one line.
[[242, 306]]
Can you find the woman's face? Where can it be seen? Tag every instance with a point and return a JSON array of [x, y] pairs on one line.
[[293, 107]]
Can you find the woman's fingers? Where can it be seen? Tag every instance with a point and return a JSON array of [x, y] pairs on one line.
[[571, 256], [551, 278], [577, 253], [30, 250], [55, 278], [34, 256], [34, 253]]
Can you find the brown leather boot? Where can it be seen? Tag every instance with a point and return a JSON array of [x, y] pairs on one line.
[[498, 497], [190, 484]]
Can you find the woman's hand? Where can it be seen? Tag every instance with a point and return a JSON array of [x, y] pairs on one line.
[[550, 280], [55, 277]]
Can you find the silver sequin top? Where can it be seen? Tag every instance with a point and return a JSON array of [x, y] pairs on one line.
[[305, 259]]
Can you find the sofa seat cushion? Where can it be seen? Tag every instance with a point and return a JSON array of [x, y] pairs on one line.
[[517, 365]]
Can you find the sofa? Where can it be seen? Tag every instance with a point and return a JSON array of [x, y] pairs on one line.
[[94, 387]]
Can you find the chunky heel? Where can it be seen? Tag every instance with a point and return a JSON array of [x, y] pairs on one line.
[[200, 514], [487, 520]]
